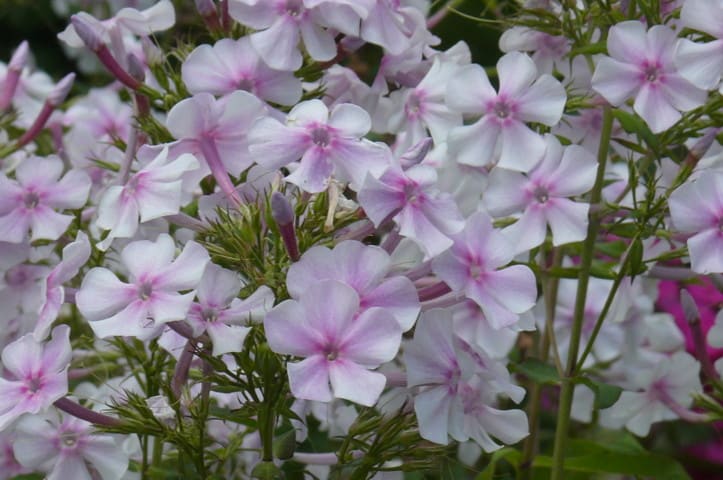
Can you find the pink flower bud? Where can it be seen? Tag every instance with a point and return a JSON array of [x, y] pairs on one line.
[[89, 30], [61, 90]]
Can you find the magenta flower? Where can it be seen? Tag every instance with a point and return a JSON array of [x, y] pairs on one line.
[[151, 297], [67, 447], [365, 269], [327, 144], [423, 213], [152, 192], [75, 254], [36, 374], [29, 203], [542, 195], [223, 316], [501, 134], [641, 66], [697, 208], [215, 130], [339, 347], [232, 65], [472, 266]]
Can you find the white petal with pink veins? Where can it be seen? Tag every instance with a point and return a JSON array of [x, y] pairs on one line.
[[700, 63], [353, 382], [226, 338], [372, 338], [309, 379], [278, 45], [516, 72], [706, 251], [703, 15], [186, 271], [318, 41], [146, 259], [627, 42], [567, 219], [529, 230], [470, 90], [616, 81], [48, 224], [432, 408], [474, 144], [543, 102], [522, 148], [653, 105], [101, 294], [351, 120]]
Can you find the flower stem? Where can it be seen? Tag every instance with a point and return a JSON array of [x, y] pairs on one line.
[[588, 250]]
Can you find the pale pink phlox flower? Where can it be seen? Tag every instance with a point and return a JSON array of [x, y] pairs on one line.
[[641, 65], [29, 202], [423, 213], [326, 143], [494, 338], [543, 196], [154, 191], [157, 18], [75, 254], [672, 381], [339, 343], [35, 374], [701, 63], [66, 447], [21, 288], [696, 208], [231, 65], [391, 25], [366, 269], [216, 131], [151, 297], [473, 266], [549, 51], [281, 24], [501, 134], [221, 314], [9, 466], [458, 386], [32, 90], [423, 108]]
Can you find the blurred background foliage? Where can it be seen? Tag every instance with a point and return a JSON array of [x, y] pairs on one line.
[[38, 23]]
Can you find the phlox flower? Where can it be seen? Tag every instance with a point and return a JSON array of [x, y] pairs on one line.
[[365, 268], [152, 192], [65, 447], [9, 466], [697, 208], [423, 213], [549, 50], [339, 344], [215, 131], [231, 65], [152, 295], [159, 17], [458, 386], [423, 108], [701, 63], [641, 65], [75, 254], [473, 266], [282, 23], [29, 202], [326, 143], [391, 24], [671, 382], [221, 314], [542, 194], [501, 133], [35, 374]]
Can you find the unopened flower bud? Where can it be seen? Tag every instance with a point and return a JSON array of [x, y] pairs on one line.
[[416, 153], [206, 7], [135, 68], [89, 29], [281, 209], [153, 54], [20, 57], [690, 309], [61, 90]]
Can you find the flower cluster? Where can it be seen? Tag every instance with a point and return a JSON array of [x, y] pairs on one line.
[[246, 242]]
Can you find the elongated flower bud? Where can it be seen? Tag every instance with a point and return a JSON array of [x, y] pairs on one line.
[[12, 77], [284, 217], [55, 98]]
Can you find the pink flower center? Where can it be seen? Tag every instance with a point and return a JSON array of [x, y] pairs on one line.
[[209, 314], [320, 136], [332, 354], [652, 72], [294, 8], [145, 291], [68, 440], [541, 194], [34, 384], [246, 84], [414, 105], [31, 200], [16, 276], [475, 271], [502, 110]]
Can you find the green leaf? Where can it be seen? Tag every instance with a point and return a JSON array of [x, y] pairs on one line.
[[508, 454], [605, 394], [635, 261], [537, 371]]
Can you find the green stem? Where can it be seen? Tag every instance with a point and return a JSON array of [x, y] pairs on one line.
[[529, 449], [588, 250]]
